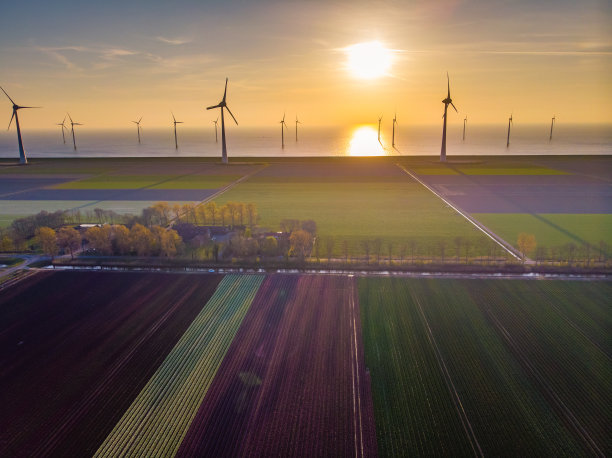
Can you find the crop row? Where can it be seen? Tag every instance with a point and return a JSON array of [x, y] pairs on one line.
[[159, 417], [77, 347], [289, 385]]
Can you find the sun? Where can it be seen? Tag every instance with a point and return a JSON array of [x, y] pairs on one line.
[[368, 60]]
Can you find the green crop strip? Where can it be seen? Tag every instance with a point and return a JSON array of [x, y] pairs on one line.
[[159, 418]]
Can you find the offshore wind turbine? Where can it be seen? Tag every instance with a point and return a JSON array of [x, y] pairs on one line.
[[464, 123], [22, 156], [175, 123], [552, 123], [447, 101], [379, 121], [215, 123], [72, 124], [63, 124], [283, 127], [509, 123], [393, 136], [296, 123], [223, 105], [138, 128]]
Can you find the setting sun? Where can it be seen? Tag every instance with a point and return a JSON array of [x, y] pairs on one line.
[[368, 60]]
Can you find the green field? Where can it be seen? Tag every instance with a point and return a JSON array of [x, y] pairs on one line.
[[150, 182], [393, 211], [550, 230], [458, 365]]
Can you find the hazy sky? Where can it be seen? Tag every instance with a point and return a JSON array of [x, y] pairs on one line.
[[110, 62]]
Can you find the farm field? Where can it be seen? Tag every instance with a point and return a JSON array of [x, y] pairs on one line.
[[551, 230], [353, 202], [77, 348], [158, 419], [494, 366], [121, 185], [293, 382]]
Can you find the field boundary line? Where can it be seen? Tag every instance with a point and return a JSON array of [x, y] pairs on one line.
[[224, 189], [465, 421], [355, 364], [549, 391], [485, 230]]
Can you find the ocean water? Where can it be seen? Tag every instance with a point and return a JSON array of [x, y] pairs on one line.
[[340, 141]]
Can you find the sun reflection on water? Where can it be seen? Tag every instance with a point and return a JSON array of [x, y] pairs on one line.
[[364, 142]]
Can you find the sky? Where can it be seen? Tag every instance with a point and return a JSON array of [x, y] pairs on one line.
[[108, 63]]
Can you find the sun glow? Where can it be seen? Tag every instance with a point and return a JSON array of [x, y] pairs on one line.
[[364, 142], [368, 60]]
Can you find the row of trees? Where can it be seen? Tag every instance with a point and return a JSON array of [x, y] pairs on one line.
[[111, 239], [209, 214]]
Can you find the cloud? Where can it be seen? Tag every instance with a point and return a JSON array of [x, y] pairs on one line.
[[173, 41]]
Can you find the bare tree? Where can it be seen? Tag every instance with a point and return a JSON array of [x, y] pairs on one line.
[[329, 248], [69, 239], [366, 248], [526, 244]]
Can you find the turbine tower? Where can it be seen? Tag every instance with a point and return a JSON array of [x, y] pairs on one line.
[[552, 123], [63, 124], [72, 124], [509, 123], [223, 105], [22, 156], [447, 101], [393, 136], [379, 121], [296, 123], [215, 123], [138, 128], [464, 123], [175, 123], [283, 127]]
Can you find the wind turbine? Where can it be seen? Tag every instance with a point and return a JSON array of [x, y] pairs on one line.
[[72, 124], [447, 101], [63, 124], [222, 104], [552, 123], [509, 123], [394, 123], [175, 123], [464, 123], [296, 123], [22, 156], [138, 128], [283, 127], [379, 121], [215, 123]]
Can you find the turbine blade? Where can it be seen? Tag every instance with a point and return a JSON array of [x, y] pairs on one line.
[[173, 116], [140, 120], [225, 91], [9, 126], [230, 112], [454, 107], [9, 97], [26, 107], [217, 119], [214, 106], [64, 120], [69, 117], [448, 83]]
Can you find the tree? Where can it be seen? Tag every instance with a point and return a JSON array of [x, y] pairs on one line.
[[99, 239], [390, 251], [301, 242], [99, 214], [121, 239], [213, 210], [526, 244], [177, 211], [458, 242], [269, 246], [366, 248], [442, 248], [162, 212], [289, 225], [232, 211], [48, 240], [309, 226], [223, 214], [68, 238], [241, 211], [142, 240], [377, 249], [6, 243], [201, 214], [167, 241], [251, 210], [329, 248], [345, 250]]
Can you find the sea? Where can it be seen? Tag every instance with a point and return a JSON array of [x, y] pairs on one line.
[[361, 140]]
